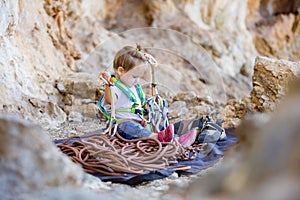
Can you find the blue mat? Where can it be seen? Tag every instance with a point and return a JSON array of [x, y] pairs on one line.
[[202, 161]]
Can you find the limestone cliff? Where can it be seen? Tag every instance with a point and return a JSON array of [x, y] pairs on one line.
[[226, 58], [209, 46]]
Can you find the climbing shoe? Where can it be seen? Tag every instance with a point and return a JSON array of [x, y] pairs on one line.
[[211, 133], [167, 134], [188, 138]]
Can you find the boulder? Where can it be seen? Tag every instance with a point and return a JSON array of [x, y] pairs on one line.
[[265, 165], [271, 79], [30, 161], [79, 93], [33, 167]]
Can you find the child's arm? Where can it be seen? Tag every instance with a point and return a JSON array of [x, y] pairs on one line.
[[107, 92]]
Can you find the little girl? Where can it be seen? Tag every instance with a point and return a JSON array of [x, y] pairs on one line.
[[130, 64]]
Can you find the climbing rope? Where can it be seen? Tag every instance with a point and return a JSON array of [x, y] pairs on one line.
[[116, 156]]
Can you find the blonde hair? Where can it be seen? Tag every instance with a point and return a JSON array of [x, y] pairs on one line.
[[128, 57]]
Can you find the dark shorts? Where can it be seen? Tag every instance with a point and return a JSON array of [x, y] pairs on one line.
[[132, 130]]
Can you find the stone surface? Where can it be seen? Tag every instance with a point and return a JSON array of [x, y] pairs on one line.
[[29, 62], [44, 42], [275, 27], [266, 163], [270, 82], [79, 93], [209, 56], [51, 52], [30, 161], [235, 111], [75, 117], [177, 108], [32, 167]]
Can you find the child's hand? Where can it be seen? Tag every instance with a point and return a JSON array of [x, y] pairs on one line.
[[105, 76]]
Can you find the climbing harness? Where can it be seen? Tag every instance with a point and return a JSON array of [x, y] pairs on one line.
[[112, 119], [129, 94]]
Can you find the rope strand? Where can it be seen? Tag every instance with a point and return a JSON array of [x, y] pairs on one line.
[[116, 156]]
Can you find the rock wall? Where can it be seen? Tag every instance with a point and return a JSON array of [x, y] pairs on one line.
[[271, 80], [51, 52], [212, 40], [79, 92], [275, 28], [30, 63], [209, 46], [37, 48]]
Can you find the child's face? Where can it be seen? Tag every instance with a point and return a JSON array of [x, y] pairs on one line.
[[132, 77]]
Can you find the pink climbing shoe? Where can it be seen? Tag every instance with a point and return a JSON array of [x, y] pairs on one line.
[[167, 134], [188, 138]]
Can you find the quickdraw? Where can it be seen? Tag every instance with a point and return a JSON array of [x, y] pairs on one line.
[[157, 106]]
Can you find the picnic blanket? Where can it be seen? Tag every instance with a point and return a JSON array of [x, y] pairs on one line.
[[212, 154]]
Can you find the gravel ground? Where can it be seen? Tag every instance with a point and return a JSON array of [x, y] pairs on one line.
[[75, 128]]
